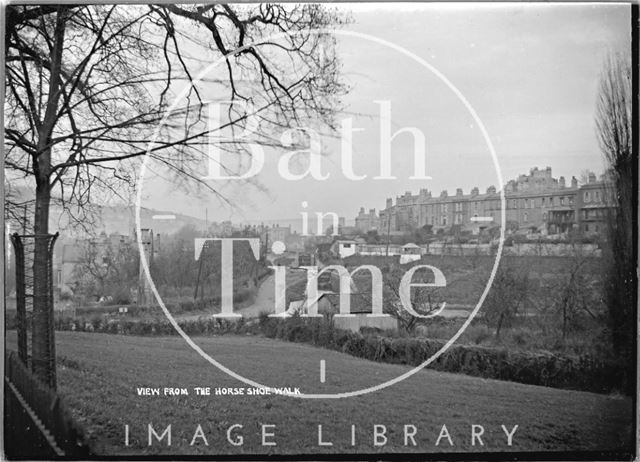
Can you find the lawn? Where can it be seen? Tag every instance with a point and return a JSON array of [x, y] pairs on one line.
[[99, 375]]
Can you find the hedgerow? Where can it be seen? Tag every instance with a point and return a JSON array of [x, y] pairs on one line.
[[585, 372]]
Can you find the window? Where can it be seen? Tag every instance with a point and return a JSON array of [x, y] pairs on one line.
[[346, 246], [526, 203], [562, 201], [444, 208], [544, 216], [597, 199], [515, 204], [587, 196], [570, 200], [444, 221], [525, 217]]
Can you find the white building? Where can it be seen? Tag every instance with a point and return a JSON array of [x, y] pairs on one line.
[[344, 248]]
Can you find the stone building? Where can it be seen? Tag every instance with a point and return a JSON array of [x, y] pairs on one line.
[[367, 221], [535, 203]]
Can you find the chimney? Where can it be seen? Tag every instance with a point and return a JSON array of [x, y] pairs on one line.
[[475, 191], [444, 193], [592, 177], [459, 192], [574, 182], [389, 202], [491, 190], [562, 182]]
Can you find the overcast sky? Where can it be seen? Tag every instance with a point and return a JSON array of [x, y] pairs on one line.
[[530, 72]]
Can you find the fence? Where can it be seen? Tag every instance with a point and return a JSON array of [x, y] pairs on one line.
[[37, 424], [540, 249], [34, 303]]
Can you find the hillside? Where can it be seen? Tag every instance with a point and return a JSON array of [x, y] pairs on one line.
[[99, 375]]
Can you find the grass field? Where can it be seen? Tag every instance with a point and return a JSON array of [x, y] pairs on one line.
[[99, 373]]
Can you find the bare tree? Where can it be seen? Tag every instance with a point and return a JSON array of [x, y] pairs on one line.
[[87, 85], [425, 300], [576, 292], [615, 131], [107, 270], [507, 297]]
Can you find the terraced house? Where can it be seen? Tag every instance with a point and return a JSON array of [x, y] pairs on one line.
[[535, 203]]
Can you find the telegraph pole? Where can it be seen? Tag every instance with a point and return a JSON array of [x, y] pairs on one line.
[[388, 231]]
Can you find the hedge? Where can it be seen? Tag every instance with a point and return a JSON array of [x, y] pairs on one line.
[[586, 373]]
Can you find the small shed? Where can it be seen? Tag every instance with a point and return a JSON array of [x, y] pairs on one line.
[[410, 252], [344, 248]]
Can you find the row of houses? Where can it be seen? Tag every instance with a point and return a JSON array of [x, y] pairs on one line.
[[536, 202]]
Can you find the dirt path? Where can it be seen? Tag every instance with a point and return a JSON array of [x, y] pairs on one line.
[[264, 301]]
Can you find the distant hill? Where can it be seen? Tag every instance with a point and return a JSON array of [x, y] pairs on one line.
[[110, 219], [121, 220]]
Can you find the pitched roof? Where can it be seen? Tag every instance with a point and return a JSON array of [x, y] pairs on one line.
[[360, 303]]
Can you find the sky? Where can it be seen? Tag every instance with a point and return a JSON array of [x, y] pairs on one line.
[[529, 71]]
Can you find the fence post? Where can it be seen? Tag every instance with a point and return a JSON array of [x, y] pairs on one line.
[[52, 327], [21, 309]]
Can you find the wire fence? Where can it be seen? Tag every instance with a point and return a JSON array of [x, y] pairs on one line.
[[34, 303]]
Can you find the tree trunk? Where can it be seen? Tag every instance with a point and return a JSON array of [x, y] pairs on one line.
[[42, 308], [42, 330], [499, 326]]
